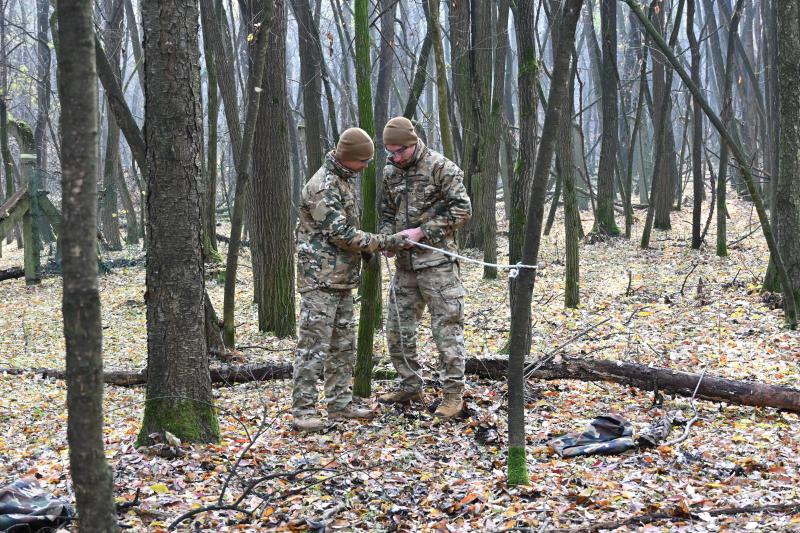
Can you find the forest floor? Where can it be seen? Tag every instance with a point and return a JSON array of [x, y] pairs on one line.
[[403, 471]]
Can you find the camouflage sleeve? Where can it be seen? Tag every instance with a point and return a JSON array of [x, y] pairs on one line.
[[388, 210], [454, 210], [330, 215]]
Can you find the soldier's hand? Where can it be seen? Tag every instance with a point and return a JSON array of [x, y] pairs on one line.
[[413, 236]]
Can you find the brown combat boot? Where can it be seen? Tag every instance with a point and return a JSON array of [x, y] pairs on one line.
[[401, 396], [308, 423], [351, 412], [451, 406]]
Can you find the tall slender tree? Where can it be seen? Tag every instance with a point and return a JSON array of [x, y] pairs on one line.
[[697, 130], [91, 476], [523, 284], [112, 38], [371, 272], [605, 224]]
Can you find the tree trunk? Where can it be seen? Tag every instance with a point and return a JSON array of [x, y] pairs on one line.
[[212, 101], [697, 132], [657, 212], [786, 214], [136, 42], [132, 232], [311, 80], [271, 224], [371, 271], [605, 224], [724, 151], [488, 88], [179, 387], [662, 89], [91, 476], [461, 59], [385, 74], [43, 87], [109, 213], [523, 283], [421, 72], [573, 231], [441, 81], [522, 178]]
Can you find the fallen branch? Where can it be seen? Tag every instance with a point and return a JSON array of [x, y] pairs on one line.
[[642, 377], [679, 515], [11, 273]]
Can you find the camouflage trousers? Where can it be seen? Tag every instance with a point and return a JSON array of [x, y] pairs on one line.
[[440, 289], [326, 342]]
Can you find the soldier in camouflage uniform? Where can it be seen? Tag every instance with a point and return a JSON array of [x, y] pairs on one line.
[[423, 192], [329, 252]]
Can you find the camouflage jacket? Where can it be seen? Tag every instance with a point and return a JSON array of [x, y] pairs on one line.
[[329, 243], [428, 193]]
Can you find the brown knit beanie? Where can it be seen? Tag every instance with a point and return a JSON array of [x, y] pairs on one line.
[[354, 144], [399, 131]]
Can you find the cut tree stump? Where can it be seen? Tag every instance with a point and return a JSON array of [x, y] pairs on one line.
[[647, 378]]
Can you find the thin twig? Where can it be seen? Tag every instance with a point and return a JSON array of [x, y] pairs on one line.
[[688, 427], [683, 286]]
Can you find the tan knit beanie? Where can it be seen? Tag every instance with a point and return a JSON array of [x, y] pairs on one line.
[[354, 144], [399, 131]]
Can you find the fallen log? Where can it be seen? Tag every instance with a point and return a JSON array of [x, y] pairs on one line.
[[647, 378], [11, 273]]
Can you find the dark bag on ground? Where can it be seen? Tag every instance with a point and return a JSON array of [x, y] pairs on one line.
[[25, 506], [606, 435]]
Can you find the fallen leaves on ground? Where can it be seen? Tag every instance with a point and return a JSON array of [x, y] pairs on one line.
[[404, 471]]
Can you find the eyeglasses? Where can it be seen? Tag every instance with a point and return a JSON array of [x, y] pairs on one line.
[[365, 161], [395, 152]]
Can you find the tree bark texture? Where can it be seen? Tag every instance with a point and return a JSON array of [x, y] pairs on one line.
[[528, 101], [91, 476], [179, 389], [605, 224], [272, 241], [786, 215], [213, 104], [109, 212], [462, 58]]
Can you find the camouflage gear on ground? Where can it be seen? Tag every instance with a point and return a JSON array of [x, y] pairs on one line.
[[25, 506], [440, 289], [326, 342], [605, 435], [329, 243], [428, 193]]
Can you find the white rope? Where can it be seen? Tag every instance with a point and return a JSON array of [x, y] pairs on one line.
[[513, 269]]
